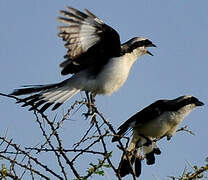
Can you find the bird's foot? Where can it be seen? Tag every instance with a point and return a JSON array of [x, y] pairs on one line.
[[91, 111], [87, 114]]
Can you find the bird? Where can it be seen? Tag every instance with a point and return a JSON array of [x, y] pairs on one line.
[[159, 119], [96, 60]]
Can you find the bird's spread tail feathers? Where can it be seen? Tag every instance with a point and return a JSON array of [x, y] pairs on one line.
[[129, 159], [125, 166], [119, 135], [45, 95], [122, 131], [149, 152], [137, 151]]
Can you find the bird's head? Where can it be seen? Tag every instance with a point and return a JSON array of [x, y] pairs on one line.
[[189, 100], [186, 103], [138, 45]]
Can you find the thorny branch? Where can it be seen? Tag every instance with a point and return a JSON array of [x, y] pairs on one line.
[[28, 158], [20, 161], [196, 173], [185, 128]]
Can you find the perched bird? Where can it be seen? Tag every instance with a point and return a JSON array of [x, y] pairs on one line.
[[98, 62], [158, 120]]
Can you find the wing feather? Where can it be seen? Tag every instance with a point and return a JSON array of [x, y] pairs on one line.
[[88, 39], [147, 114]]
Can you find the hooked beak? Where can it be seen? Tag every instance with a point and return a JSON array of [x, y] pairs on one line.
[[199, 103], [151, 45], [149, 53]]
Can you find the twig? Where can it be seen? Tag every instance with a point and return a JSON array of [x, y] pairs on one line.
[[105, 150], [82, 139], [15, 146], [95, 168], [50, 144], [65, 150], [85, 149], [54, 130], [120, 144], [23, 166], [57, 147], [185, 128], [196, 173]]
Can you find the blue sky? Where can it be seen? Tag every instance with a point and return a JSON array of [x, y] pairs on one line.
[[30, 53]]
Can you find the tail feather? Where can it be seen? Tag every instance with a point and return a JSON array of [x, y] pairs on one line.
[[33, 89], [137, 149], [37, 105], [119, 134], [150, 158], [157, 151], [125, 166], [27, 98], [56, 106], [52, 95], [46, 95], [55, 95], [138, 166], [128, 159], [150, 151], [66, 95], [45, 106], [31, 101]]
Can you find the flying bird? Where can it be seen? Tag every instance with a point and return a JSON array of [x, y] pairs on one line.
[[96, 59], [158, 120]]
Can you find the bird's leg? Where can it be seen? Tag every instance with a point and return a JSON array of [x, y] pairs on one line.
[[138, 144], [88, 98], [148, 140], [168, 137], [137, 153], [90, 104], [92, 98]]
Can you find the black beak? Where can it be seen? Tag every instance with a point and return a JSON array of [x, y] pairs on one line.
[[151, 45], [150, 53], [199, 103]]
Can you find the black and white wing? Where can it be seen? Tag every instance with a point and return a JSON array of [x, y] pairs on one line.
[[88, 39], [147, 114]]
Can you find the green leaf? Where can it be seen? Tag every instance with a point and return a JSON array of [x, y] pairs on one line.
[[107, 165], [100, 172]]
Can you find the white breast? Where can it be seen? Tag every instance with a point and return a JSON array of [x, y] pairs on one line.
[[166, 124], [113, 75]]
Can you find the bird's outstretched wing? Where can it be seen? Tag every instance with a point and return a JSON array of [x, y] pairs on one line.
[[89, 40], [147, 114]]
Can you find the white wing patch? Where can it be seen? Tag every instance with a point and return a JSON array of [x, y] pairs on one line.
[[88, 36], [81, 32]]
